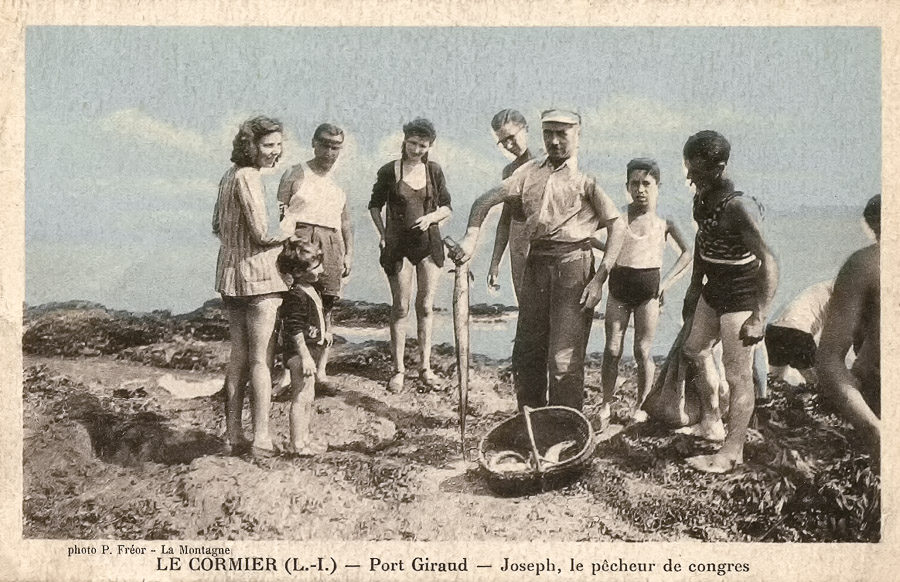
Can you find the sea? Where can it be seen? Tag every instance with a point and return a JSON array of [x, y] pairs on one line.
[[809, 244]]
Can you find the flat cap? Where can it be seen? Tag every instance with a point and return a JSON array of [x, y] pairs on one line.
[[561, 116]]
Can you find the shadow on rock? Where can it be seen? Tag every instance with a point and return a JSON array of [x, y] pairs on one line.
[[472, 482], [132, 439], [401, 418]]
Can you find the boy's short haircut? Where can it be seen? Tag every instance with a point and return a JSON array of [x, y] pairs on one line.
[[298, 255], [872, 214], [329, 130], [648, 165], [508, 116]]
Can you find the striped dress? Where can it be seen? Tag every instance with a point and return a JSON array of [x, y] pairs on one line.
[[246, 263]]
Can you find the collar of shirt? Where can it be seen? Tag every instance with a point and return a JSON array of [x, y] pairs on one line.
[[571, 163]]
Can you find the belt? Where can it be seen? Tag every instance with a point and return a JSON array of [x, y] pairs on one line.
[[315, 226], [552, 248]]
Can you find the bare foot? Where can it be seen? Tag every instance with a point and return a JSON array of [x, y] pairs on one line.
[[395, 384], [714, 432], [717, 463], [604, 414], [638, 416], [428, 378], [310, 449]]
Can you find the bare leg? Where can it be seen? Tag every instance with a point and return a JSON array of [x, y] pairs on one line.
[[761, 370], [324, 352], [427, 276], [401, 291], [236, 377], [616, 322], [261, 316], [738, 361], [698, 348], [301, 406], [646, 317]]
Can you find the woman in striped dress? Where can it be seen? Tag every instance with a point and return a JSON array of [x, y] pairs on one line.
[[248, 279]]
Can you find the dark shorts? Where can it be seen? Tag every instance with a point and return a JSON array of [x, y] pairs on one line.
[[332, 244], [411, 244], [787, 346], [731, 288], [631, 287]]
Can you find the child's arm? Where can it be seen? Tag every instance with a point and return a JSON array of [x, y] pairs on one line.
[[307, 363], [684, 259]]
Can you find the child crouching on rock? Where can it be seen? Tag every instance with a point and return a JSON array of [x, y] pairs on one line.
[[303, 334]]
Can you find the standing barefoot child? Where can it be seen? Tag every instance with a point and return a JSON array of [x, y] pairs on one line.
[[305, 334], [635, 285]]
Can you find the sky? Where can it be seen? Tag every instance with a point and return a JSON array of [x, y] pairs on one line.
[[128, 129]]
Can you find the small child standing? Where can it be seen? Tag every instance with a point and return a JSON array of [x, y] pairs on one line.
[[303, 333]]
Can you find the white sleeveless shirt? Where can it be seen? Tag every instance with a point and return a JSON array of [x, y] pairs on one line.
[[318, 201], [643, 252]]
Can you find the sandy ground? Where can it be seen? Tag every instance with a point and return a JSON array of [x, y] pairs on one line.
[[110, 453]]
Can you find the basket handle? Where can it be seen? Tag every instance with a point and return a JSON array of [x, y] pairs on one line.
[[526, 411]]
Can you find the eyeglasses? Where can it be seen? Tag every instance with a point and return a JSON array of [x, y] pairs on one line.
[[509, 139]]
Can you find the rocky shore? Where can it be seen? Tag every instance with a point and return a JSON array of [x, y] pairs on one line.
[[122, 439]]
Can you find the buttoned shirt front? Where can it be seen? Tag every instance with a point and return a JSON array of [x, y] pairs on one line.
[[560, 204]]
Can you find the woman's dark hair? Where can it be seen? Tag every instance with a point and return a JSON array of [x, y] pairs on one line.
[[243, 151], [298, 254], [709, 147], [420, 127], [507, 116], [872, 214]]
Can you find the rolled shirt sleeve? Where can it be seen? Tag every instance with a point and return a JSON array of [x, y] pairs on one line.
[[603, 205], [251, 196]]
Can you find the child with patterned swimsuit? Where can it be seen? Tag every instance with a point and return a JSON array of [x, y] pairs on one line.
[[304, 334], [635, 285]]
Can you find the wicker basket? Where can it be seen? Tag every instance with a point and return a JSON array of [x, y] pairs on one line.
[[550, 425]]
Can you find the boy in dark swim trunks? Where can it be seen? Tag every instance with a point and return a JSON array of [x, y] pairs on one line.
[[635, 285], [731, 291], [304, 334]]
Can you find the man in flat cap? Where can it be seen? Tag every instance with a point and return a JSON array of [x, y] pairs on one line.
[[564, 209]]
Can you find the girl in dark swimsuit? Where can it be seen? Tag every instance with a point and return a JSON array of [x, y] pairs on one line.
[[415, 193]]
